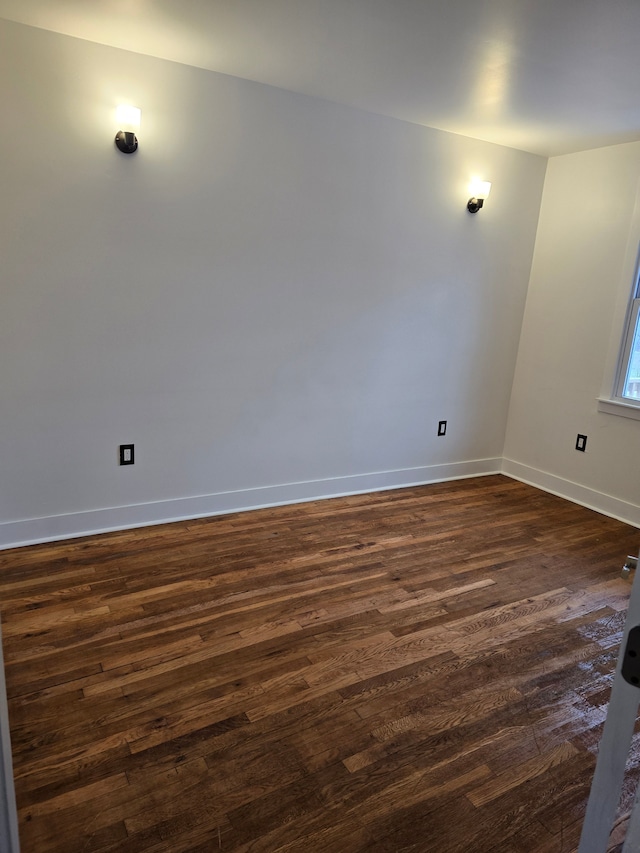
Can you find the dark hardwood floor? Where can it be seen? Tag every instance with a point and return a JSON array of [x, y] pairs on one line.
[[419, 670]]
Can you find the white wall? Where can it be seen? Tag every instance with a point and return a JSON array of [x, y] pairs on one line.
[[581, 279], [276, 298]]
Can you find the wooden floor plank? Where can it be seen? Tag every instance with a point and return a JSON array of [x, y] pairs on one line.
[[407, 671]]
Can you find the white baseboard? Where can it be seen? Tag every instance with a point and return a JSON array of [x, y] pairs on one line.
[[583, 495], [31, 531]]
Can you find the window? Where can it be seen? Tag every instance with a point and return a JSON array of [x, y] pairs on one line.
[[621, 395], [627, 387]]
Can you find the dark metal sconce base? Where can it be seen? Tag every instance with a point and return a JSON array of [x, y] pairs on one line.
[[474, 204], [126, 141]]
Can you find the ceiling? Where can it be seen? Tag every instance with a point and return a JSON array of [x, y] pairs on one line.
[[546, 76]]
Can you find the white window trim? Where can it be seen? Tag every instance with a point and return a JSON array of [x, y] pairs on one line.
[[627, 304], [613, 406], [629, 337], [617, 404]]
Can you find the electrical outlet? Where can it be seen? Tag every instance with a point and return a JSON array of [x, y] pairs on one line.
[[442, 427], [126, 454], [581, 443]]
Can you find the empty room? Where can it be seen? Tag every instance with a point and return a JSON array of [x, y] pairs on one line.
[[319, 425]]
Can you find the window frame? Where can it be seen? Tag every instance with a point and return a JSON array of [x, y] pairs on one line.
[[628, 336], [627, 290]]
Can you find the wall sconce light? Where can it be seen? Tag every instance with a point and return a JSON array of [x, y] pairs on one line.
[[479, 191], [129, 121]]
